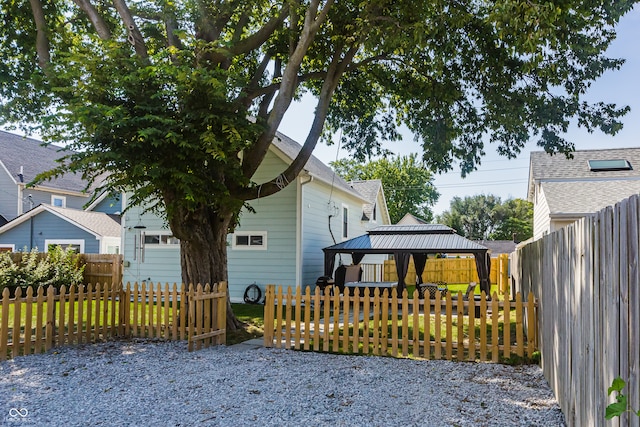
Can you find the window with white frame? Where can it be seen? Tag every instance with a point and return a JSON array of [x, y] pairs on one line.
[[76, 244], [249, 240], [345, 221], [159, 239], [58, 201], [5, 247]]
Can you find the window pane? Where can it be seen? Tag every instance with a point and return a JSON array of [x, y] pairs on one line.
[[152, 239], [57, 202], [242, 240], [256, 240]]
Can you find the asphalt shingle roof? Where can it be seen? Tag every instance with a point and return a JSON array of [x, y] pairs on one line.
[[545, 166], [369, 190], [17, 151], [314, 166], [98, 222], [582, 197]]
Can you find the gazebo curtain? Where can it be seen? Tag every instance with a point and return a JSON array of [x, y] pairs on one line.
[[483, 265], [329, 263], [357, 257], [419, 261], [402, 266]]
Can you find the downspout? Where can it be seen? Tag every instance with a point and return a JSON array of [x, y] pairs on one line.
[[299, 228]]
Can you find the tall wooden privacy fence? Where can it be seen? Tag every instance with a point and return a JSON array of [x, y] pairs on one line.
[[587, 280], [379, 324], [453, 270], [37, 321]]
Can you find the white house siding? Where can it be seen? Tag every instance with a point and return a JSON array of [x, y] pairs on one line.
[[541, 219], [8, 195]]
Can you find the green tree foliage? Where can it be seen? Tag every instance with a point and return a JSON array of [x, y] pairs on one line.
[[179, 101], [59, 267], [486, 217], [407, 183]]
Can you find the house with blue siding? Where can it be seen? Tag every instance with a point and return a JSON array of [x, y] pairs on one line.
[[281, 243], [52, 212], [46, 226], [21, 159]]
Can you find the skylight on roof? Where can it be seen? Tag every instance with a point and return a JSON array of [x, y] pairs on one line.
[[609, 165]]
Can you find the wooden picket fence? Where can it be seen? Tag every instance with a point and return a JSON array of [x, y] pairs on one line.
[[37, 322], [443, 328]]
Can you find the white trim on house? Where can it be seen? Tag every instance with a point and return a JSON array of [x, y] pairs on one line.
[[253, 237], [8, 246], [63, 242], [165, 239], [33, 212], [63, 201], [344, 222]]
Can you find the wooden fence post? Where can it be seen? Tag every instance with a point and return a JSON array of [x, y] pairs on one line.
[[50, 328]]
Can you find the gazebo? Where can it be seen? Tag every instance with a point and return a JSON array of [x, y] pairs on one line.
[[405, 241]]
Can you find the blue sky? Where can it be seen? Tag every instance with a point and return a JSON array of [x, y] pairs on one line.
[[499, 175]]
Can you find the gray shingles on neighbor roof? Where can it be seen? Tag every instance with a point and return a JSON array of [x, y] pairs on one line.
[[545, 166], [369, 190], [581, 197], [98, 222], [17, 151]]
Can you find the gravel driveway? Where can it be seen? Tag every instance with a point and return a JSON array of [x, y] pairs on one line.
[[147, 383]]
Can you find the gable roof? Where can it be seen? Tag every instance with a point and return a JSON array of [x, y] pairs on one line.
[[96, 223], [18, 152], [498, 246], [314, 166], [583, 197], [545, 167], [410, 219], [370, 189]]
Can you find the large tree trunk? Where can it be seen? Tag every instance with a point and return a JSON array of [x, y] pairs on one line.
[[203, 249]]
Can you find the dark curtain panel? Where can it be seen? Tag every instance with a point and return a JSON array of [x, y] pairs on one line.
[[357, 257], [329, 263], [402, 266], [483, 266], [419, 261]]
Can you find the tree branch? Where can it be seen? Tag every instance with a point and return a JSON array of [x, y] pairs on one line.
[[262, 35], [312, 23], [135, 36], [98, 23], [42, 38], [335, 72]]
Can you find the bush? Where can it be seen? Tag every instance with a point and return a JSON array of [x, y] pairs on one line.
[[59, 267]]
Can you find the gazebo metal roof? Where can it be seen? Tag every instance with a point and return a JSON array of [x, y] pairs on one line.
[[404, 241]]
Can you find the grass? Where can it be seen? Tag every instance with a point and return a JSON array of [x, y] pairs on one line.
[[252, 315]]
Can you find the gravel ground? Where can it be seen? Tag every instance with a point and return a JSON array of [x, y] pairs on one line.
[[146, 383]]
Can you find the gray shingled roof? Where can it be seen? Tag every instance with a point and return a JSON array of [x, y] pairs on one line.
[[314, 166], [582, 197], [369, 190], [17, 151], [498, 246], [97, 223], [544, 167]]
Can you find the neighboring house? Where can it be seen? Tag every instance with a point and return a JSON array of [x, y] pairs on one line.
[[51, 212], [564, 190], [21, 159], [497, 247], [410, 219], [281, 243], [45, 225]]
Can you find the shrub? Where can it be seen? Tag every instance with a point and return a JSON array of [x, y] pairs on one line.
[[59, 267]]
